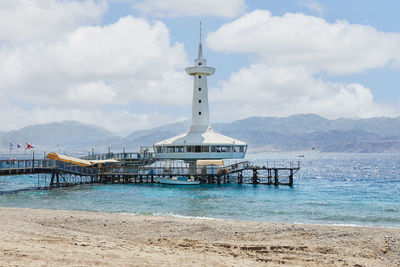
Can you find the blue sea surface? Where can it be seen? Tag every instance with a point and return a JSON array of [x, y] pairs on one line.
[[330, 188]]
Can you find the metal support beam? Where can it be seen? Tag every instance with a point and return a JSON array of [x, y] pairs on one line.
[[276, 177], [255, 179], [291, 177]]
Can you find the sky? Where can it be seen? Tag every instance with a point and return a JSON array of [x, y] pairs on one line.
[[120, 64]]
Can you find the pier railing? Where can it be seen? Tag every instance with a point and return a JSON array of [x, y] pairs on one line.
[[185, 170], [76, 169], [14, 166], [119, 156]]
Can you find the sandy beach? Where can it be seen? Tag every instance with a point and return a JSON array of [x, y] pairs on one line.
[[30, 237]]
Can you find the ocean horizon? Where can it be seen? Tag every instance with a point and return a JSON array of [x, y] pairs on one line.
[[330, 188]]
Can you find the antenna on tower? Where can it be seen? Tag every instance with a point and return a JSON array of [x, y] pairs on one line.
[[200, 46], [200, 31]]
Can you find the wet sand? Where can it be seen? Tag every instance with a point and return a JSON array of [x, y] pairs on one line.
[[30, 237]]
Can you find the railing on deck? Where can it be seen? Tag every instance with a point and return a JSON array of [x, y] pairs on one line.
[[120, 156], [76, 169], [25, 165], [13, 166]]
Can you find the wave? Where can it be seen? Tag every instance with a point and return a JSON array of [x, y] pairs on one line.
[[392, 210], [317, 203], [170, 214]]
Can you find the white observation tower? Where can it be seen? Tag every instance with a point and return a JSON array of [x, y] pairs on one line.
[[201, 142]]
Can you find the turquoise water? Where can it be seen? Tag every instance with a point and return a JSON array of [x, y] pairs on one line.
[[356, 189]]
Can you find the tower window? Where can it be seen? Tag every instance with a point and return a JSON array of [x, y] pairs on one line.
[[199, 63], [199, 100], [199, 76], [199, 89], [199, 113]]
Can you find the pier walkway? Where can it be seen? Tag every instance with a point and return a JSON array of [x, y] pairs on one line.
[[137, 168]]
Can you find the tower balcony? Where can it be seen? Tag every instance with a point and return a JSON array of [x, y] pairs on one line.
[[200, 70]]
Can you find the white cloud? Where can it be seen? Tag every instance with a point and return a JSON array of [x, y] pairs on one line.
[[262, 90], [175, 8], [40, 20], [335, 48], [91, 93], [288, 53], [129, 61], [313, 5]]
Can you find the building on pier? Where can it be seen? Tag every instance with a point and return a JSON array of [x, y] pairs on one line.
[[200, 142]]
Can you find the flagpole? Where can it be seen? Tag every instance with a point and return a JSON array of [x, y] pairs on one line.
[[33, 160], [11, 148]]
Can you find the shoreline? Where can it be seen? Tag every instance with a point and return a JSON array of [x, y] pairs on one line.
[[179, 216], [251, 221], [62, 237]]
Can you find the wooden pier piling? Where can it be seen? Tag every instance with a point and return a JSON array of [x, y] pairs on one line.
[[276, 177], [291, 177]]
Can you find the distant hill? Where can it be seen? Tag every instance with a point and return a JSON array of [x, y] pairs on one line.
[[302, 132], [308, 123], [66, 134]]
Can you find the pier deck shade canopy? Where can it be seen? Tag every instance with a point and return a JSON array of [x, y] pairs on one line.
[[78, 161], [201, 142]]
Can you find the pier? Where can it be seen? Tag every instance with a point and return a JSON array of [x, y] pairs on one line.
[[141, 168]]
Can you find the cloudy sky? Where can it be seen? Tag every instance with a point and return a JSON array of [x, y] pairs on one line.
[[120, 63]]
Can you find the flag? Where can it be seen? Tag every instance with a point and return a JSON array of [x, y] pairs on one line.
[[28, 146]]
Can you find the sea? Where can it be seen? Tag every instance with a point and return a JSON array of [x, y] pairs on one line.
[[330, 189]]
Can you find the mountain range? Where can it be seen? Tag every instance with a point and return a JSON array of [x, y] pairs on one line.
[[304, 132]]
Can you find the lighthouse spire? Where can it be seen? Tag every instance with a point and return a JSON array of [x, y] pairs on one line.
[[200, 56], [200, 31]]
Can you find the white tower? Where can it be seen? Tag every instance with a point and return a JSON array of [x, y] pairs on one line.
[[200, 142], [200, 112]]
